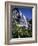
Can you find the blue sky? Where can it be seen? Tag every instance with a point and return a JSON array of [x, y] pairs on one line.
[[27, 12]]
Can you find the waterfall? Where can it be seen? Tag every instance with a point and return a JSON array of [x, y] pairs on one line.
[[23, 20]]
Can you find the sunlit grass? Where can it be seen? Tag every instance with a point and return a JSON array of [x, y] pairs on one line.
[[21, 31]]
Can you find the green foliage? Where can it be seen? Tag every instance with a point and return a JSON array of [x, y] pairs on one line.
[[21, 32], [30, 21]]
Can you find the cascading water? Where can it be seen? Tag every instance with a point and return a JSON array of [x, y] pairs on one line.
[[19, 24], [23, 20]]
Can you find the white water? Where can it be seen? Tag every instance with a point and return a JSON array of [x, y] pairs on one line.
[[23, 20]]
